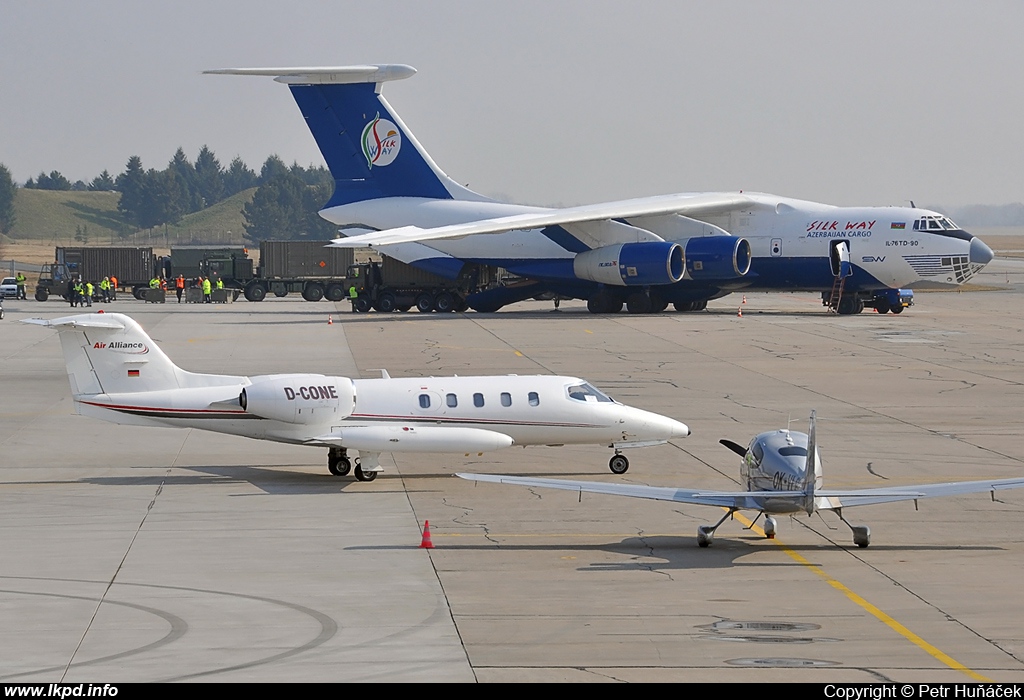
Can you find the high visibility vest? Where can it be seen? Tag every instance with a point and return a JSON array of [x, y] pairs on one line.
[[220, 284], [180, 282], [352, 293], [206, 286]]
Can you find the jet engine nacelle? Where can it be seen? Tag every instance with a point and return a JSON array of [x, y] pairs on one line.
[[632, 264], [717, 257], [299, 398]]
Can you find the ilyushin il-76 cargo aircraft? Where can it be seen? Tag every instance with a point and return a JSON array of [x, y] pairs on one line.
[[644, 254], [118, 374], [782, 473]]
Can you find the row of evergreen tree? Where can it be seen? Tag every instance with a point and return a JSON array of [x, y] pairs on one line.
[[284, 206]]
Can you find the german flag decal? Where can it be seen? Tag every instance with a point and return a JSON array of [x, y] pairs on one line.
[[133, 373]]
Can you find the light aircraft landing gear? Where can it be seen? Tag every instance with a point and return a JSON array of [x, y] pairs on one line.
[[861, 533], [705, 533], [338, 462], [769, 527], [618, 464]]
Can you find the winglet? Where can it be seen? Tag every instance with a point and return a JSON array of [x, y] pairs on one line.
[[811, 468]]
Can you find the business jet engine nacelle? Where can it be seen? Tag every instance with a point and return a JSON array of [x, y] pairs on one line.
[[717, 257], [299, 398], [632, 264]]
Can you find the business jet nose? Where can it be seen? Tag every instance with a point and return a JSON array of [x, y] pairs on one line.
[[981, 254], [666, 428]]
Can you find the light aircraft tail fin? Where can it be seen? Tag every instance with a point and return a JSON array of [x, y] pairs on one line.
[[368, 149], [111, 354], [811, 469]]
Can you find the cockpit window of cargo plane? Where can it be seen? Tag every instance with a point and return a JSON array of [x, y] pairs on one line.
[[587, 392], [935, 223]]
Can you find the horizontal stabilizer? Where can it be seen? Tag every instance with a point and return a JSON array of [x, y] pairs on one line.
[[327, 75], [80, 321]]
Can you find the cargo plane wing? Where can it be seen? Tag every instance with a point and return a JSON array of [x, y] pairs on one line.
[[782, 473]]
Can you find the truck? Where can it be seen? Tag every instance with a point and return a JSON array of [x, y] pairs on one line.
[[133, 267], [392, 285]]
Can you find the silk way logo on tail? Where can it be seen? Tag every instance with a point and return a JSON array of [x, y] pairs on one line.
[[381, 142]]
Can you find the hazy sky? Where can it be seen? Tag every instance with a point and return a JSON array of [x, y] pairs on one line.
[[548, 102]]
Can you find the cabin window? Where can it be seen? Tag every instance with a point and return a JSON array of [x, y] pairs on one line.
[[478, 400], [534, 398], [452, 400], [424, 400], [506, 399], [757, 451], [793, 451]]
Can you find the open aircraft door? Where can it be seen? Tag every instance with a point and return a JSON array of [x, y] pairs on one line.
[[839, 258]]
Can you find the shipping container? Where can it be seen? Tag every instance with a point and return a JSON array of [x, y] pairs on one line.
[[133, 268], [303, 259]]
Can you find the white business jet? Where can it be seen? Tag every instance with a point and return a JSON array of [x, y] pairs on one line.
[[119, 375], [782, 473]]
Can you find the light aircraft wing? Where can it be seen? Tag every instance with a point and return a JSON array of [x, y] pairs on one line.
[[684, 204], [724, 499], [866, 497]]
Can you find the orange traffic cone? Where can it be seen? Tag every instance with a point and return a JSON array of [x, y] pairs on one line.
[[739, 312], [426, 543], [744, 298], [330, 321]]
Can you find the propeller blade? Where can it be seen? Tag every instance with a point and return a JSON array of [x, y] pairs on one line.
[[738, 449]]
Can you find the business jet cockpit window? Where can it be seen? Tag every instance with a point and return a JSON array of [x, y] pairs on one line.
[[587, 392]]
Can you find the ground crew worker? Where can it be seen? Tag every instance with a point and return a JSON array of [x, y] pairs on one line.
[[89, 289], [105, 289], [207, 288], [179, 286], [220, 283], [113, 288], [353, 294], [76, 293], [154, 282], [20, 281]]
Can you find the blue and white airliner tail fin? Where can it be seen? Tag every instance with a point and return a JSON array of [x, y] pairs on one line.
[[369, 150], [111, 354]]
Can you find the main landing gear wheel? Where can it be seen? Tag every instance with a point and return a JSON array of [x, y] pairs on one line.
[[705, 533], [338, 463], [364, 476], [770, 525], [618, 464], [861, 535]]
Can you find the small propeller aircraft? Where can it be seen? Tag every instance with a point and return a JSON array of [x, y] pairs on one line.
[[782, 473], [118, 374]]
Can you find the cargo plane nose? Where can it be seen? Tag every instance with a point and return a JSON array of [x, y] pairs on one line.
[[980, 253]]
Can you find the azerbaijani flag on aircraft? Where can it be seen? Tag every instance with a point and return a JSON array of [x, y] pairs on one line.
[[899, 225]]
